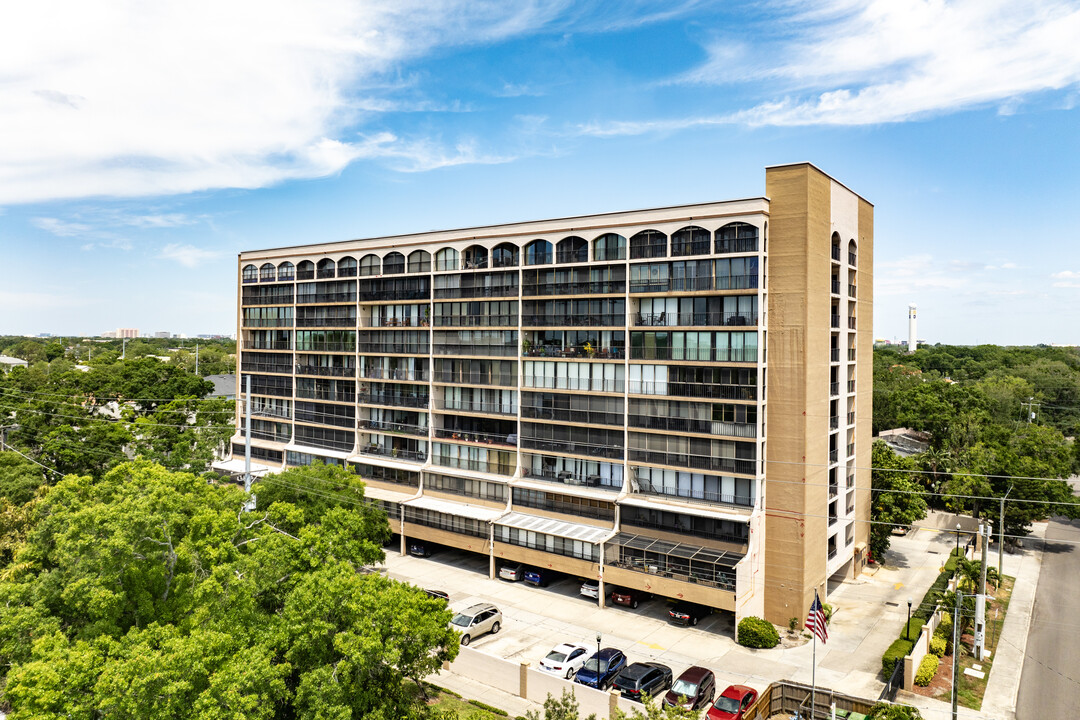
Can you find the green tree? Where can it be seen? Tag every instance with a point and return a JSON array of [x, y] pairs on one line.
[[896, 499], [888, 711]]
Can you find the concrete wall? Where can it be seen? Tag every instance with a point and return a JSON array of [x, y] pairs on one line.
[[670, 587], [921, 650]]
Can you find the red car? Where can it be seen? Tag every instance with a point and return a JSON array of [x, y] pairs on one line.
[[732, 703], [628, 597]]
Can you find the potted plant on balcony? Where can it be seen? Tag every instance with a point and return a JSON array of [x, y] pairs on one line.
[[526, 346], [589, 349]]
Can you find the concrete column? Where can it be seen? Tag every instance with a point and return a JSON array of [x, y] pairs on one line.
[[523, 680]]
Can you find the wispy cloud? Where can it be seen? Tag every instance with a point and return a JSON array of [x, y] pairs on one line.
[[848, 63], [188, 255], [60, 228]]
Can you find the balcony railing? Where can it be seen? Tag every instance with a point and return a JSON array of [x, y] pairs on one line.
[[571, 383], [851, 290], [594, 320], [336, 322], [851, 386], [834, 422], [572, 256], [268, 300], [476, 292], [834, 490], [567, 508], [394, 348], [477, 406], [268, 323], [698, 495], [419, 401], [851, 449], [689, 460], [834, 389], [694, 247], [464, 378], [722, 580], [835, 287], [265, 412], [572, 416], [565, 477], [486, 350], [493, 467], [267, 345], [836, 253], [693, 389], [476, 320], [392, 427], [832, 456], [503, 439], [834, 320], [664, 319], [834, 355], [320, 394], [851, 418], [851, 354], [746, 355], [260, 367], [326, 346], [392, 295], [708, 427], [603, 287], [852, 258], [551, 351], [736, 245], [378, 373], [648, 251], [396, 453], [573, 447], [851, 322], [332, 297], [322, 371]]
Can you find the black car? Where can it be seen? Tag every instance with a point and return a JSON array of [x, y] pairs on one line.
[[438, 595], [421, 549], [642, 680], [688, 613]]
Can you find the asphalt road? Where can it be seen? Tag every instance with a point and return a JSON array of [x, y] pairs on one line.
[[1050, 683]]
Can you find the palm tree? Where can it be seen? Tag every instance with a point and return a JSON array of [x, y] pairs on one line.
[[969, 573]]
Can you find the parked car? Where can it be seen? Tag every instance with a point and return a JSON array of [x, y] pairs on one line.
[[641, 680], [419, 548], [732, 703], [688, 613], [565, 659], [591, 589], [541, 577], [438, 595], [512, 572], [476, 620], [692, 690], [600, 669], [628, 597]]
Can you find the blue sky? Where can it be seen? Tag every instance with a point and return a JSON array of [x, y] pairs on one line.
[[142, 145]]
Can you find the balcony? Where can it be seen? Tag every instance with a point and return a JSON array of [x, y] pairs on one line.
[[851, 322], [851, 386], [565, 477], [746, 355], [393, 348], [393, 427], [836, 253], [571, 383], [695, 390], [395, 453], [476, 320], [572, 447], [411, 401], [834, 355], [602, 287], [382, 322], [506, 350], [322, 371], [595, 320], [267, 345], [834, 490], [554, 351], [851, 418], [697, 495], [326, 322], [834, 422], [851, 450], [832, 456], [327, 346], [852, 258], [851, 290], [494, 379], [703, 426], [476, 292], [834, 320], [834, 389], [378, 373], [572, 256], [476, 406], [572, 416], [687, 460], [480, 438], [606, 512], [736, 245], [332, 297], [851, 354], [733, 319], [835, 287], [261, 367]]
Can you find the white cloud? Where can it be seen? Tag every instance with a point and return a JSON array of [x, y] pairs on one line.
[[187, 255], [135, 99], [1066, 275], [850, 63], [60, 228]]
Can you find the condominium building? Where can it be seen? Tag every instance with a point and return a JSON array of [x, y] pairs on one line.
[[676, 400]]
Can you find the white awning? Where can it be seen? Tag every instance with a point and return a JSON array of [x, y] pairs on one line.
[[336, 454], [236, 467], [558, 528], [696, 509], [378, 493], [575, 490], [476, 512]]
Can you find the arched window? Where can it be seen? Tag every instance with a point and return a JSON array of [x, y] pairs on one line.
[[505, 255], [267, 273], [648, 244], [572, 249], [737, 237], [325, 268], [475, 256], [690, 240], [250, 273], [446, 259], [286, 271], [538, 252], [836, 247], [419, 261], [852, 253], [346, 267], [305, 270], [609, 246], [393, 264], [370, 265]]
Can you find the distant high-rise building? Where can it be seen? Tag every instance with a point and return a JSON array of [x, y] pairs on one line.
[[162, 334], [127, 333], [912, 343], [588, 394]]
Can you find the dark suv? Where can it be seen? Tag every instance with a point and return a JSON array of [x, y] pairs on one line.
[[641, 680], [688, 613]]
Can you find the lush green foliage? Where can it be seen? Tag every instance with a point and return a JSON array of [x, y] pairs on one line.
[[976, 404], [146, 594], [927, 669], [754, 632], [895, 501], [888, 711], [938, 645], [914, 627], [896, 652]]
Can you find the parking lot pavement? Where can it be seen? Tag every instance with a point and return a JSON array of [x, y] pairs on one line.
[[537, 619]]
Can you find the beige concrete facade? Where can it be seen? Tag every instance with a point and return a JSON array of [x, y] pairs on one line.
[[664, 399]]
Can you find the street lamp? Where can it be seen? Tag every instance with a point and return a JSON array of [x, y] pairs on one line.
[[598, 662], [908, 626], [957, 553]]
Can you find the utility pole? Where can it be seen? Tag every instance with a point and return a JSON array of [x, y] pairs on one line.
[[123, 354], [1031, 405], [1001, 534], [249, 505], [196, 358], [955, 648], [980, 599]]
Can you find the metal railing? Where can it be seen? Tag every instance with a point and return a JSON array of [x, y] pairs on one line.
[[477, 406], [326, 298], [322, 371], [420, 401], [835, 287], [484, 438], [465, 378], [698, 495], [399, 454], [392, 427], [601, 287], [736, 245], [568, 383], [591, 320], [836, 253], [476, 320], [691, 319], [572, 416], [476, 292], [704, 462], [394, 348], [573, 447], [704, 426], [674, 388], [378, 373], [747, 355], [505, 350]]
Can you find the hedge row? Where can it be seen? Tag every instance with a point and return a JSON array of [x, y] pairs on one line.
[[927, 670], [920, 617], [897, 651]]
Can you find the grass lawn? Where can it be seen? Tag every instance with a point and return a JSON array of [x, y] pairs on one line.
[[462, 708]]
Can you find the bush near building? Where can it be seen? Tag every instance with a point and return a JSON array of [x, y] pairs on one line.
[[757, 633], [927, 670], [938, 645], [897, 651]]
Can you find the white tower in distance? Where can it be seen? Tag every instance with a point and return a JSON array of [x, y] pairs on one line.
[[912, 343]]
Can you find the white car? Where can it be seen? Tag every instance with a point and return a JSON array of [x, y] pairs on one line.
[[565, 660], [591, 589]]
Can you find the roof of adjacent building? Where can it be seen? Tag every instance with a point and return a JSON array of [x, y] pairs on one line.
[[224, 385]]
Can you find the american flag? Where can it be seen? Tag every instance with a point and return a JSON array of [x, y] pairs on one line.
[[815, 621]]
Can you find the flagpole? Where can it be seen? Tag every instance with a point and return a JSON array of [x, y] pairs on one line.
[[813, 673]]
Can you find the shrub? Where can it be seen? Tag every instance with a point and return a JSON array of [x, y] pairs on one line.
[[489, 708], [944, 627], [927, 670], [793, 624], [757, 633], [896, 651], [938, 645], [828, 611], [914, 628]]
